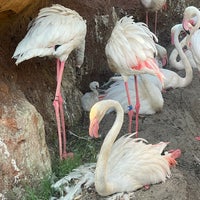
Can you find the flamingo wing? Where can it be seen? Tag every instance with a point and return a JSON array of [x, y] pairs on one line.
[[53, 26]]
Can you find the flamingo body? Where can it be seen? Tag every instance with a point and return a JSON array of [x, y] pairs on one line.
[[149, 90], [127, 164], [53, 26], [153, 6], [56, 31]]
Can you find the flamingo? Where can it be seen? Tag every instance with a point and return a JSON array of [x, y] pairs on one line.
[[90, 98], [130, 51], [56, 31], [191, 23], [149, 87], [153, 6], [127, 164]]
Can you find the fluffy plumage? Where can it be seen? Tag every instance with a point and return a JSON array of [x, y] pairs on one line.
[[127, 164], [53, 26], [130, 50]]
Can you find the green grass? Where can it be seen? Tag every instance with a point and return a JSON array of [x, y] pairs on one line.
[[85, 151]]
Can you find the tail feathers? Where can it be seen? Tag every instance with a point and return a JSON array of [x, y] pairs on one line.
[[33, 53]]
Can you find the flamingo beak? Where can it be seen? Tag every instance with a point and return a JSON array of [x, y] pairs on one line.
[[93, 128], [175, 153]]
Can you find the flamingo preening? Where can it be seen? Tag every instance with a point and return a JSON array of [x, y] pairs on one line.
[[56, 31], [149, 87], [130, 51], [127, 164], [153, 6]]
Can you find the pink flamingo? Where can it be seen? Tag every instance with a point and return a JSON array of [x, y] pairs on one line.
[[127, 164], [153, 6], [56, 31], [130, 51]]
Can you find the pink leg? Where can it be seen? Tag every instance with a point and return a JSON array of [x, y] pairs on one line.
[[156, 20], [147, 18], [130, 108], [137, 105], [58, 106]]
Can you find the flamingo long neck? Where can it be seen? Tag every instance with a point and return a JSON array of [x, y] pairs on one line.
[[101, 182], [183, 82]]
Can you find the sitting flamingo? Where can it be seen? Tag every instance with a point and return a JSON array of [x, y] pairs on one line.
[[127, 164]]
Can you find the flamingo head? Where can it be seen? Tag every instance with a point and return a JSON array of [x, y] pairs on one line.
[[190, 18]]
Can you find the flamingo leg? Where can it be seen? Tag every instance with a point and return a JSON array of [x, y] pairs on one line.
[[58, 106], [137, 106], [130, 107], [156, 20], [147, 18]]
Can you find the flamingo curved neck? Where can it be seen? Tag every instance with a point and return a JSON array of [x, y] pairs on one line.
[[101, 183], [183, 82]]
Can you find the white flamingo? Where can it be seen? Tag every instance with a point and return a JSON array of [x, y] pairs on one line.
[[153, 6], [191, 23], [130, 51], [149, 87], [127, 164], [56, 31], [90, 98]]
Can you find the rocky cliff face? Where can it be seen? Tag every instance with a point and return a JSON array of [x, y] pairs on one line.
[[35, 79]]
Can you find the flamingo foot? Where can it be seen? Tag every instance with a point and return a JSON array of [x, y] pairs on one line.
[[146, 187], [67, 155], [197, 138]]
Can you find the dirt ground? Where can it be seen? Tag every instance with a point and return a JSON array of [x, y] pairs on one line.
[[178, 123]]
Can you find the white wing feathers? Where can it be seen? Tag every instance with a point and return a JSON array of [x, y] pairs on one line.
[[133, 41], [54, 25]]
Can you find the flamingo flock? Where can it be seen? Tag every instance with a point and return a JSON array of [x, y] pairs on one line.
[[128, 163]]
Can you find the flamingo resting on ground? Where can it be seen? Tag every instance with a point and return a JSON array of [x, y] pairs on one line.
[[130, 51], [127, 164], [90, 98], [56, 31], [153, 6]]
